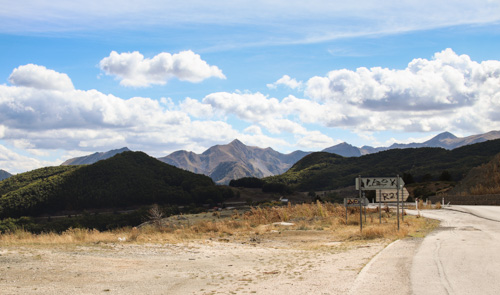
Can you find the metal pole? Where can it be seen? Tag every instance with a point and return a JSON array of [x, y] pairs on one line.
[[380, 205], [360, 207], [397, 198], [364, 205], [402, 203], [345, 204]]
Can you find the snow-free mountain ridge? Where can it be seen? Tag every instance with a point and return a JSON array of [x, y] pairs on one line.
[[91, 159], [444, 140], [236, 160], [4, 174]]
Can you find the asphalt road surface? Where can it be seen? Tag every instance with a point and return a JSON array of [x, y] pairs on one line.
[[462, 256]]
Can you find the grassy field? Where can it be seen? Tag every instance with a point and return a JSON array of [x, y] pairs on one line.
[[256, 224]]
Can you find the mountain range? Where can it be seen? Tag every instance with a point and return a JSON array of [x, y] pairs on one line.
[[444, 140], [236, 160], [325, 171]]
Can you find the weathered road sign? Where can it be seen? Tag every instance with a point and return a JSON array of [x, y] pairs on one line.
[[375, 183], [390, 195], [355, 202]]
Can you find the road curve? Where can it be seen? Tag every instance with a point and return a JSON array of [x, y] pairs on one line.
[[462, 256]]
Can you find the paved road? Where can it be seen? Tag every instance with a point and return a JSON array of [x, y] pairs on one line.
[[461, 257]]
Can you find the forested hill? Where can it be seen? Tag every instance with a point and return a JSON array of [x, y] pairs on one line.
[[322, 171], [127, 179]]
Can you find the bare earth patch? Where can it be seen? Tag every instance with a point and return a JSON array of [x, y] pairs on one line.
[[288, 262]]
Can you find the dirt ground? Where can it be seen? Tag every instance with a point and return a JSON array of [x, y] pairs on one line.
[[293, 262]]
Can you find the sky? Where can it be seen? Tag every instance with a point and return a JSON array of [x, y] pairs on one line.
[[78, 77]]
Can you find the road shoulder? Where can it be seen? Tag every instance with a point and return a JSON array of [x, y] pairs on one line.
[[389, 271]]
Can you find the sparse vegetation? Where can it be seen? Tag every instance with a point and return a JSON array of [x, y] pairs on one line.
[[238, 225]]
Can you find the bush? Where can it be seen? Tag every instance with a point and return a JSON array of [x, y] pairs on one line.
[[248, 182], [276, 188]]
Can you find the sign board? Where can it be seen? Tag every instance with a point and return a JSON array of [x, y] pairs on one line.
[[348, 202], [375, 183], [390, 195]]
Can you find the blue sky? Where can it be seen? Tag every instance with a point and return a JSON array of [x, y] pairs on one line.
[[78, 77]]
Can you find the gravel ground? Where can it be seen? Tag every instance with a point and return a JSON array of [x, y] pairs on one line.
[[296, 264]]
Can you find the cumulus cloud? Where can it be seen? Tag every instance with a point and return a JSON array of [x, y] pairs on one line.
[[253, 129], [277, 126], [196, 108], [315, 140], [132, 69], [426, 95], [14, 162], [44, 121], [286, 81], [447, 92], [253, 107], [447, 81], [71, 119], [36, 109], [40, 77]]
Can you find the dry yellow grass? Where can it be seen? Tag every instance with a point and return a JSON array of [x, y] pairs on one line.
[[255, 222]]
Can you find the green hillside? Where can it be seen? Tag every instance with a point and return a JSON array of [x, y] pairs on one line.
[[324, 171], [127, 179]]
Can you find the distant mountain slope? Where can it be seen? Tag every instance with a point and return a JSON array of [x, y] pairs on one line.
[[444, 140], [344, 149], [234, 160], [4, 174], [322, 171], [449, 141], [127, 179], [91, 159]]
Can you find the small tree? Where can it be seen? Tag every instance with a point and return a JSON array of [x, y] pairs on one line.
[[408, 178], [155, 215]]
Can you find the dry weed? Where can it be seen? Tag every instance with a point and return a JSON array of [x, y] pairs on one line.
[[256, 221]]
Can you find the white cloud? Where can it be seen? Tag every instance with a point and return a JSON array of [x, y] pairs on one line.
[[315, 141], [448, 92], [263, 141], [278, 126], [132, 69], [40, 77], [39, 120], [196, 108], [253, 107], [286, 81], [13, 162], [447, 81], [253, 129], [428, 95]]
